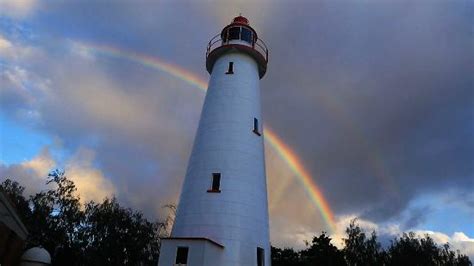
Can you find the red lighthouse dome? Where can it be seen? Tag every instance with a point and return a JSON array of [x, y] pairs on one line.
[[240, 20]]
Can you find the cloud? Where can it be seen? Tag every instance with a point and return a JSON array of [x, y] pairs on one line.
[[373, 103], [21, 93], [90, 182], [458, 241], [4, 45], [30, 174], [41, 165], [416, 216], [343, 222], [14, 88], [465, 244], [81, 49], [22, 87], [87, 108], [462, 200], [17, 8], [15, 50]]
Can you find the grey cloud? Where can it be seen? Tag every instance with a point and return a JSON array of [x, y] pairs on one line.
[[30, 174], [377, 98], [415, 217]]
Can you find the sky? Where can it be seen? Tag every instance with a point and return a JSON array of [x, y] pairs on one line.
[[374, 99]]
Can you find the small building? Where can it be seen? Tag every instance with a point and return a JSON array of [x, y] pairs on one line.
[[12, 233], [36, 256]]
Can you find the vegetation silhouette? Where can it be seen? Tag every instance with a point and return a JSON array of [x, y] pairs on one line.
[[107, 233], [360, 249], [85, 234]]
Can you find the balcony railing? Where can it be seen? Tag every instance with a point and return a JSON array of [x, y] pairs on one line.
[[258, 45]]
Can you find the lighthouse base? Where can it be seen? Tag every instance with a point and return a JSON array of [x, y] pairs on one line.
[[190, 252]]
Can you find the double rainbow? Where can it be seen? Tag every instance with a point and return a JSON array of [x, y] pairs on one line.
[[283, 150]]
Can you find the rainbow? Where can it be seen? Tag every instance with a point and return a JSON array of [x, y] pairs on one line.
[[283, 150], [146, 60], [303, 175]]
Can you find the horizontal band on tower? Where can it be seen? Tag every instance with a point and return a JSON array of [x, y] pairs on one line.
[[194, 239], [213, 55]]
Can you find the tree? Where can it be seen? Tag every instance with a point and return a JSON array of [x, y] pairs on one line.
[[285, 257], [56, 219], [119, 236], [92, 234], [322, 252], [411, 250], [52, 216], [360, 250], [14, 191]]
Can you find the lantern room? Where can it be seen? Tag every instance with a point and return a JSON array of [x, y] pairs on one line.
[[239, 29], [238, 36]]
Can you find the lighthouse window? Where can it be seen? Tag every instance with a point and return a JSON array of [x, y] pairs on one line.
[[234, 33], [255, 127], [182, 255], [260, 257], [246, 35], [216, 182], [230, 70]]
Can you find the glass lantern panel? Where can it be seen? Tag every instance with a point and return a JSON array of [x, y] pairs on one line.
[[247, 35], [234, 33]]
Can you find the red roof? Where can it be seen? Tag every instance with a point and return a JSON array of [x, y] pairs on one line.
[[241, 20]]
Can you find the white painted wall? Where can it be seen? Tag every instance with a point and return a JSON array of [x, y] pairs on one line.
[[201, 252], [238, 216]]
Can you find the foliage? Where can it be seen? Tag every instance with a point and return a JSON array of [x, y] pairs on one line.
[[285, 257], [359, 249], [322, 251], [116, 235], [84, 234], [410, 250], [14, 192]]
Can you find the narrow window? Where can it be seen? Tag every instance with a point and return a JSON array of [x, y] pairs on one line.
[[216, 183], [260, 257], [230, 70], [182, 255], [255, 127]]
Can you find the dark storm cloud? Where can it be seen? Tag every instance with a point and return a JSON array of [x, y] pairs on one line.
[[375, 97], [416, 216]]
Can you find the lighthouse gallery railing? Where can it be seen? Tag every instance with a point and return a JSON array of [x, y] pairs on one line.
[[217, 42]]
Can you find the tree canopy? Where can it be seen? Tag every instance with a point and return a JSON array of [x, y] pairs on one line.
[[360, 249], [104, 233]]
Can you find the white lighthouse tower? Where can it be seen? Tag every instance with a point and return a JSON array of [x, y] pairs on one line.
[[222, 217]]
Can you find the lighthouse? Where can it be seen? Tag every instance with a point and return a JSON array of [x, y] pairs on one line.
[[222, 216]]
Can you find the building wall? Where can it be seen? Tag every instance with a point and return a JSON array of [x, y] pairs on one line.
[[11, 246], [12, 233], [201, 252], [237, 217]]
